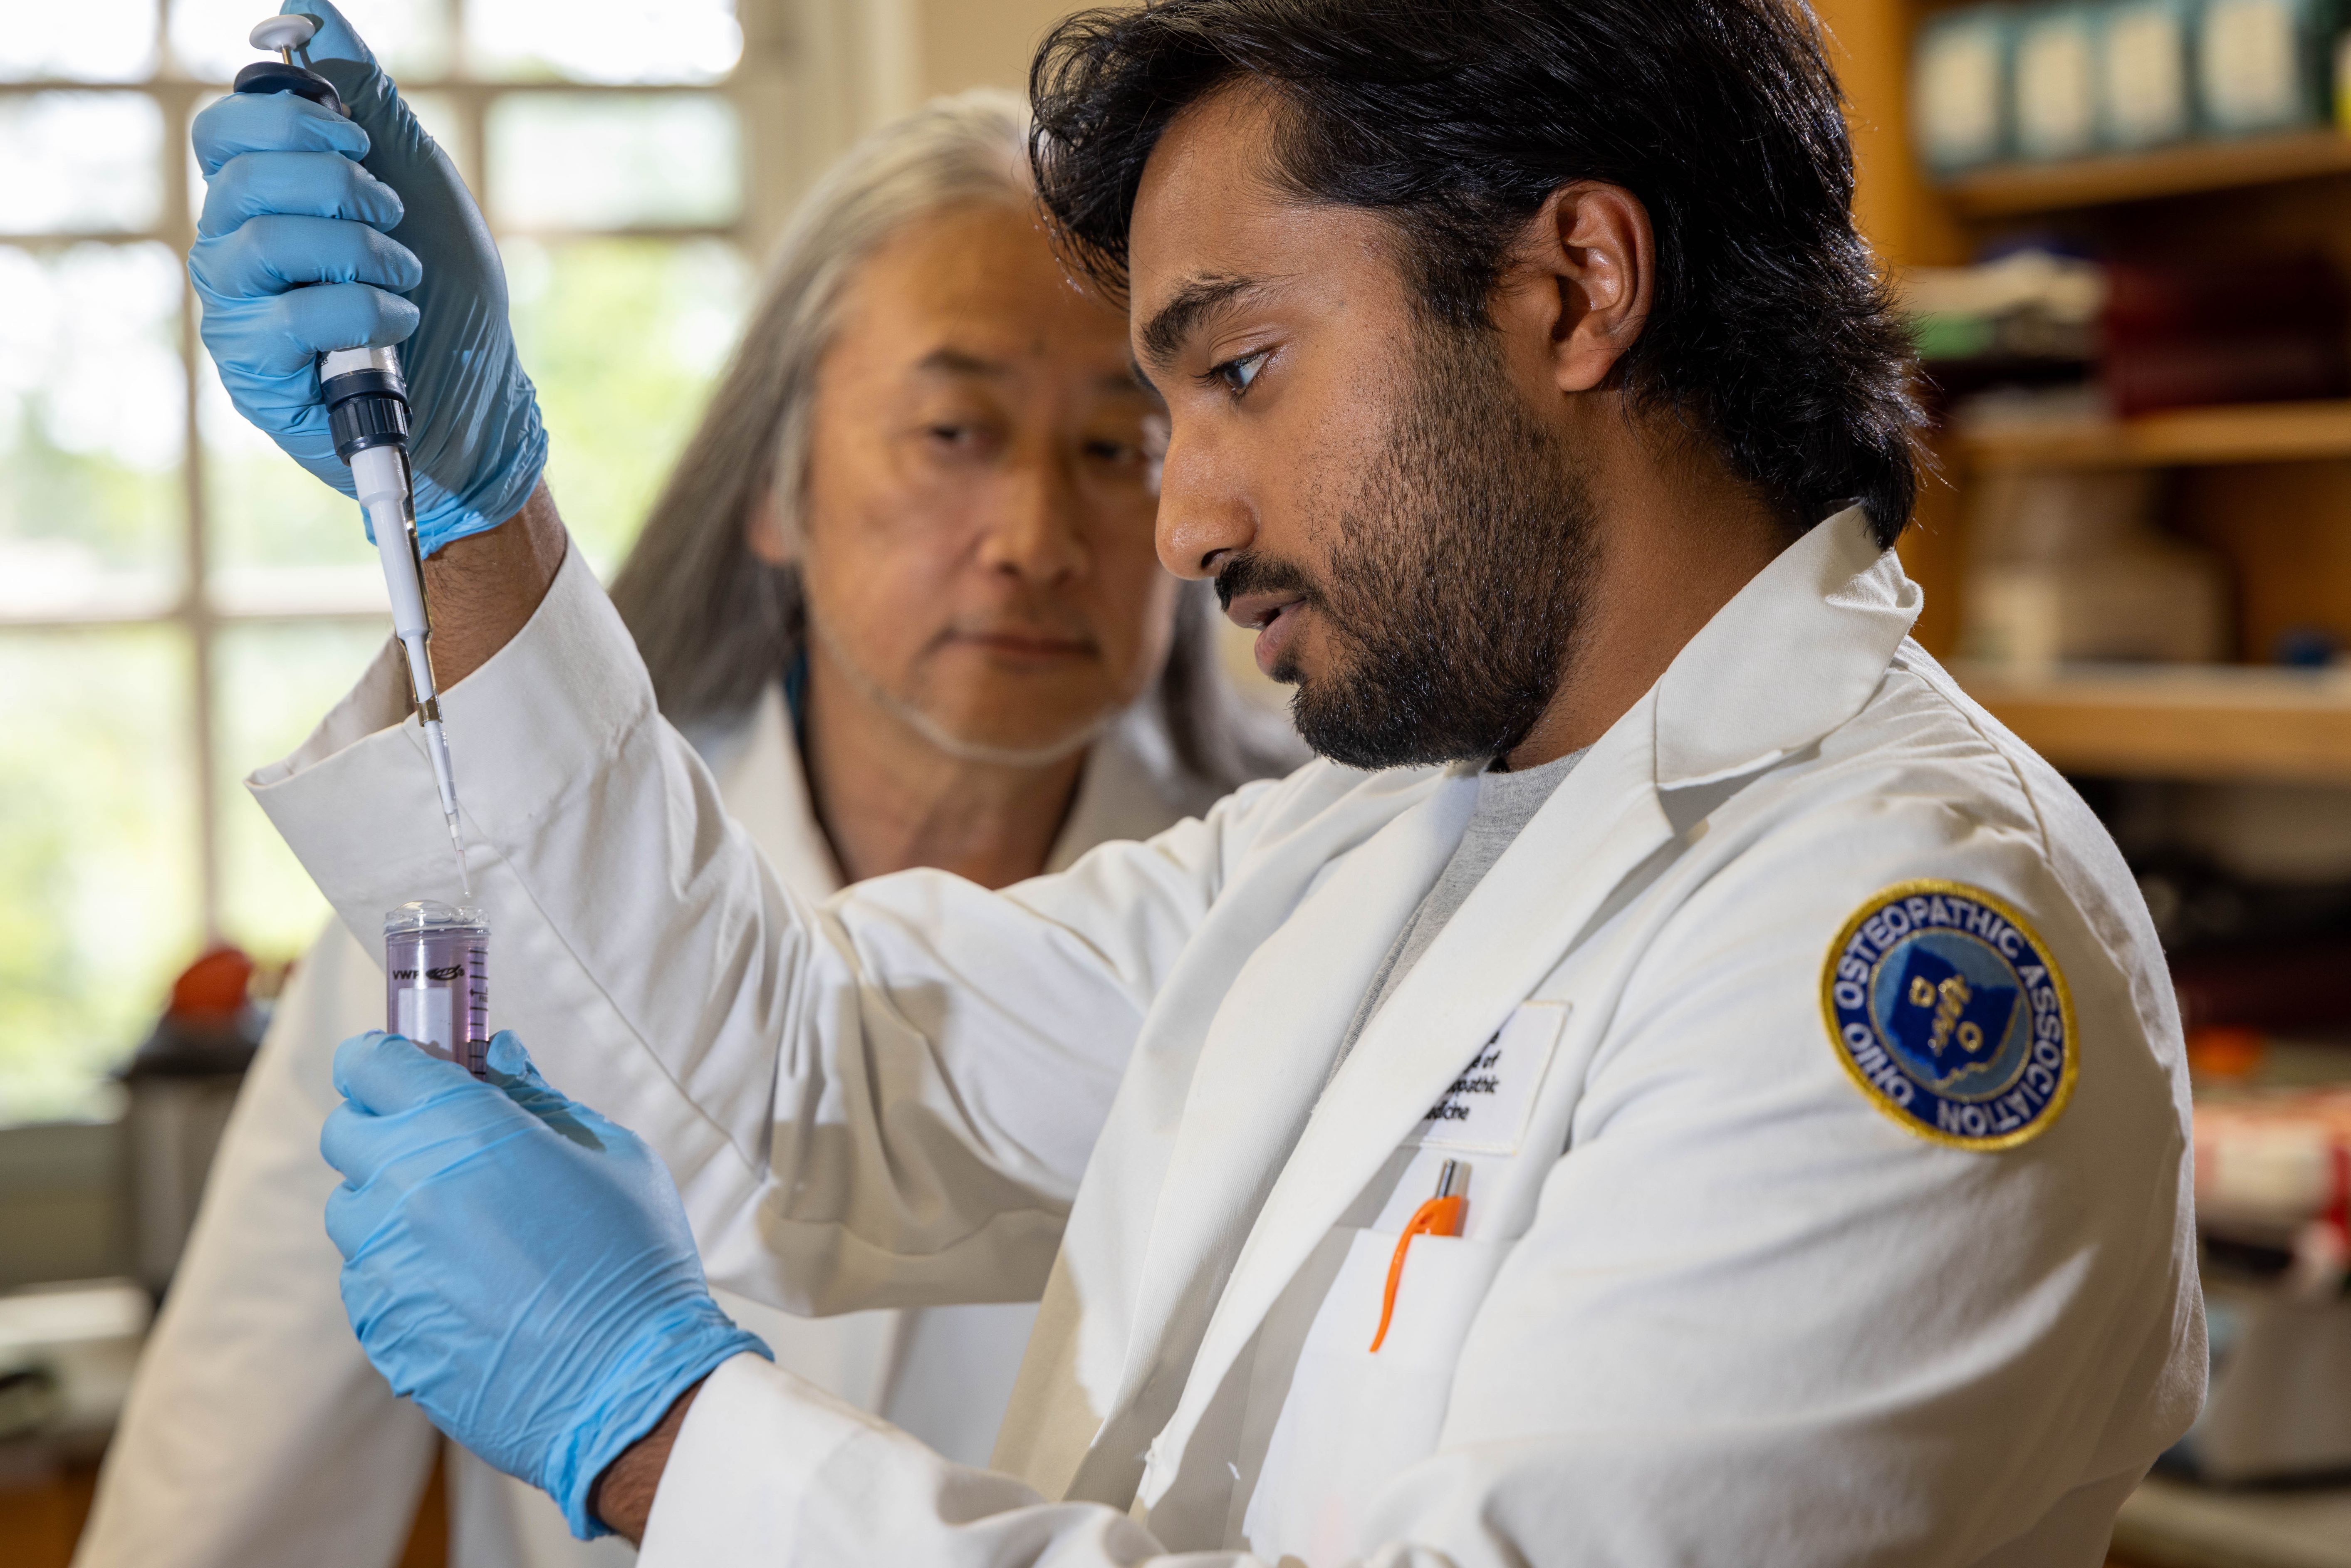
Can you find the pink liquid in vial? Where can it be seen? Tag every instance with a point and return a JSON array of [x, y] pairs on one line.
[[436, 960]]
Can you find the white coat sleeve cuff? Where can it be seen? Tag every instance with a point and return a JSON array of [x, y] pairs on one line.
[[771, 1470], [746, 1456], [542, 714]]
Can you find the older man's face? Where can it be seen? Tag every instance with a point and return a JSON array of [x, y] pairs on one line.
[[976, 546]]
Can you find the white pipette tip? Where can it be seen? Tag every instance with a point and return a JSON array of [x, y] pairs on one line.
[[458, 842]]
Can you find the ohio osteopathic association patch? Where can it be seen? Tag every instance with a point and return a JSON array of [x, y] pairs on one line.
[[1949, 1012]]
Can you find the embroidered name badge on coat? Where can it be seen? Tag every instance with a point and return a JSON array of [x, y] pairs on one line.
[[1485, 1109], [1949, 1011]]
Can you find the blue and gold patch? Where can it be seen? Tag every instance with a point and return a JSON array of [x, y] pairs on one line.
[[1948, 1010]]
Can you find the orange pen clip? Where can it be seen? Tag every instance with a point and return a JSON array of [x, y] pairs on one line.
[[1440, 1216]]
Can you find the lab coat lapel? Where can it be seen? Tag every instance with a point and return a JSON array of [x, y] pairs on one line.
[[1263, 1057], [764, 789], [1133, 787], [1603, 822]]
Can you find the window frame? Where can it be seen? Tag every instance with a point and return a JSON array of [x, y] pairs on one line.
[[791, 117]]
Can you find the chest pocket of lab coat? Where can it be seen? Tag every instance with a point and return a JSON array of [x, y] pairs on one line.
[[1327, 1439], [1350, 1419]]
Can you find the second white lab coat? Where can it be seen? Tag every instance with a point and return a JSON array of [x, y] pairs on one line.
[[1712, 1305], [258, 1435]]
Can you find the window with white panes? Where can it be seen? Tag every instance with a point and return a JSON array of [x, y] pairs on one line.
[[178, 601]]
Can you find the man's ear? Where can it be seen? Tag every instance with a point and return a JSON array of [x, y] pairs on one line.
[[1583, 275], [766, 535]]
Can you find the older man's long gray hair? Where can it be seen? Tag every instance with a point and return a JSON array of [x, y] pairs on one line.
[[715, 623]]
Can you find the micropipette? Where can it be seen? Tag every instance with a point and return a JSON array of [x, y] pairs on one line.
[[367, 410]]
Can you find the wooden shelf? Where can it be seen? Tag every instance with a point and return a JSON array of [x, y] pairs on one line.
[[2247, 433], [2016, 190], [2215, 721]]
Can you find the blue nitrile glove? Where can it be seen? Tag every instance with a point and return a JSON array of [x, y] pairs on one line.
[[514, 1263], [286, 204]]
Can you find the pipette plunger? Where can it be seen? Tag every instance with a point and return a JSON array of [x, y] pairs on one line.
[[284, 34]]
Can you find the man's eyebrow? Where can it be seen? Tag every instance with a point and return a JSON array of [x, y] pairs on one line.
[[1176, 320], [957, 363], [953, 362]]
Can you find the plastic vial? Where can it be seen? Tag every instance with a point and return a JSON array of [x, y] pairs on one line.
[[436, 963]]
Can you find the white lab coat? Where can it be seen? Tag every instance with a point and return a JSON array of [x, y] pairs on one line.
[[258, 1434], [1712, 1304]]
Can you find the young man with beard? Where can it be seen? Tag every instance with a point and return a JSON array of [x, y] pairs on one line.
[[1679, 1083]]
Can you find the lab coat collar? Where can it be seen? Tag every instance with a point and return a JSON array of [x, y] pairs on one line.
[[1795, 653], [1133, 787], [1603, 821], [764, 788]]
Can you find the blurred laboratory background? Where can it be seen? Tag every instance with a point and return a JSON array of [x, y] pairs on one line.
[[2121, 230]]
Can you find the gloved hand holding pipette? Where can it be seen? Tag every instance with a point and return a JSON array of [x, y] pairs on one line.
[[295, 274], [372, 210]]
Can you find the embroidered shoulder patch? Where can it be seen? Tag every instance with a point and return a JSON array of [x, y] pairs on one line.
[[1949, 1011]]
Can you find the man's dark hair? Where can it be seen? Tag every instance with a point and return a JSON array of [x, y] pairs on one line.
[[1768, 331]]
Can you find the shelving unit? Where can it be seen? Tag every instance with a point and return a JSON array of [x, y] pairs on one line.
[[2267, 487], [2195, 437], [2221, 721], [2022, 190]]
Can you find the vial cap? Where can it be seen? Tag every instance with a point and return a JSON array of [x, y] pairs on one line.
[[424, 915], [283, 33]]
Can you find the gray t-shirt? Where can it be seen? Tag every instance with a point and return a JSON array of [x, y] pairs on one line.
[[1507, 802]]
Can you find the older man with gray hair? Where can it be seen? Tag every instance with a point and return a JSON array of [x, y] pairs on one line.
[[901, 593]]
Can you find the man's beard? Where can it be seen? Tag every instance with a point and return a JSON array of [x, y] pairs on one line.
[[1456, 585]]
